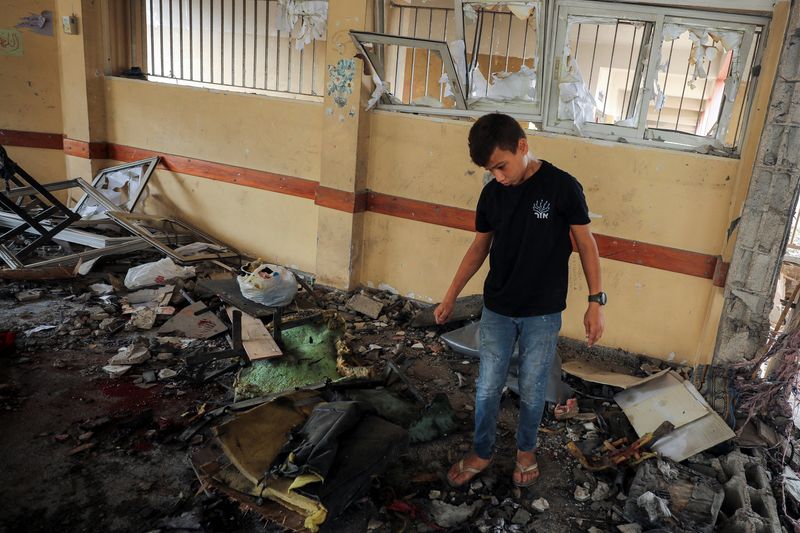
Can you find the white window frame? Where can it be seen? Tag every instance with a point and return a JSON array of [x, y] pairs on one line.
[[560, 12]]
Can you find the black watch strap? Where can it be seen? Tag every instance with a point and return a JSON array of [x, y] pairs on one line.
[[600, 298]]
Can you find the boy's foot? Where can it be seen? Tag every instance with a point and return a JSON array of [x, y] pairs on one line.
[[465, 469], [526, 470]]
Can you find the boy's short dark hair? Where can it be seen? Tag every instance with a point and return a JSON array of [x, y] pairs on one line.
[[491, 131]]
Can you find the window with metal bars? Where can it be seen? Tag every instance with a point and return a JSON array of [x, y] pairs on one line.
[[464, 55], [236, 45], [680, 78], [643, 74]]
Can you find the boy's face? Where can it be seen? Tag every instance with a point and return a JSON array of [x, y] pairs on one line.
[[509, 168]]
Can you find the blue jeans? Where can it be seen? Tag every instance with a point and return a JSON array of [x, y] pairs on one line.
[[538, 336]]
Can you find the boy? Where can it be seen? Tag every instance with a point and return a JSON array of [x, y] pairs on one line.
[[523, 220]]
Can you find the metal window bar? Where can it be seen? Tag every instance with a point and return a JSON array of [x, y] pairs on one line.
[[231, 44], [794, 242]]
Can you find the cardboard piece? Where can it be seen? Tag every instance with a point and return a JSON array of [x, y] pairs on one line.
[[667, 397], [588, 371], [187, 324], [256, 339]]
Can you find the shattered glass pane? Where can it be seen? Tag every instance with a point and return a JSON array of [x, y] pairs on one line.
[[609, 54]]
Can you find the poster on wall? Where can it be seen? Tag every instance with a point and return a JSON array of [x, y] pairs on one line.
[[10, 42]]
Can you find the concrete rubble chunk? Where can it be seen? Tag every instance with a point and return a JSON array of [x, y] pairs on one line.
[[447, 515], [629, 528], [365, 305], [166, 373], [601, 492], [116, 370], [521, 517], [130, 355], [540, 505], [749, 503], [655, 506], [582, 494]]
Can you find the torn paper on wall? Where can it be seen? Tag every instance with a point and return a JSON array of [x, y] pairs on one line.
[[703, 53], [521, 10], [575, 103], [120, 187], [304, 20], [506, 86]]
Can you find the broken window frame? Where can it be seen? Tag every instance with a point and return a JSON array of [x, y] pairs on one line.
[[559, 11], [138, 224], [373, 57], [471, 108], [151, 163]]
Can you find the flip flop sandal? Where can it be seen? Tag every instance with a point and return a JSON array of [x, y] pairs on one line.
[[568, 410], [524, 470], [466, 469]]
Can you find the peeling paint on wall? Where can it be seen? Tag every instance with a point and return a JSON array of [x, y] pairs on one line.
[[340, 85]]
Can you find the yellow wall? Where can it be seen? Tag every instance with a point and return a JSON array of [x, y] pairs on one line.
[[658, 196], [30, 91], [258, 132]]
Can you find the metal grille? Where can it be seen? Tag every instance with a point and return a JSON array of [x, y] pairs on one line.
[[233, 44], [611, 58]]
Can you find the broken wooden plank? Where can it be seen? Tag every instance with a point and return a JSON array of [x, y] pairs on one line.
[[466, 308], [256, 340], [42, 273]]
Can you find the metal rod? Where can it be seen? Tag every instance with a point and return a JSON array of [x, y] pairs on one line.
[[171, 43], [610, 68], [397, 54], [300, 76], [266, 46], [233, 42], [161, 34], [594, 52], [277, 58], [132, 28], [428, 61], [525, 45], [313, 66], [441, 85], [491, 52], [628, 74], [244, 41], [211, 43], [577, 42], [683, 92], [666, 79], [191, 39], [413, 58], [180, 22], [255, 40], [702, 105], [508, 41], [289, 63], [222, 42]]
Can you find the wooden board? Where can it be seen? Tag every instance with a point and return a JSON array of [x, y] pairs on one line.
[[256, 339]]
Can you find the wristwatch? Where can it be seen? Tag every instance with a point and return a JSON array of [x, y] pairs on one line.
[[600, 298]]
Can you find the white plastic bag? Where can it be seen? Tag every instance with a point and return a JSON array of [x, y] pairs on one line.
[[157, 273], [276, 290]]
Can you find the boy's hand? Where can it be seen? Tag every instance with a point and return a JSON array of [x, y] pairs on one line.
[[443, 311], [594, 323]]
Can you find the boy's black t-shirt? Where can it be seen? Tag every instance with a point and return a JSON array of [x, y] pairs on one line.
[[528, 261]]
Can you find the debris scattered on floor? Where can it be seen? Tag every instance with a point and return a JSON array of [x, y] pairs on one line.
[[314, 408]]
